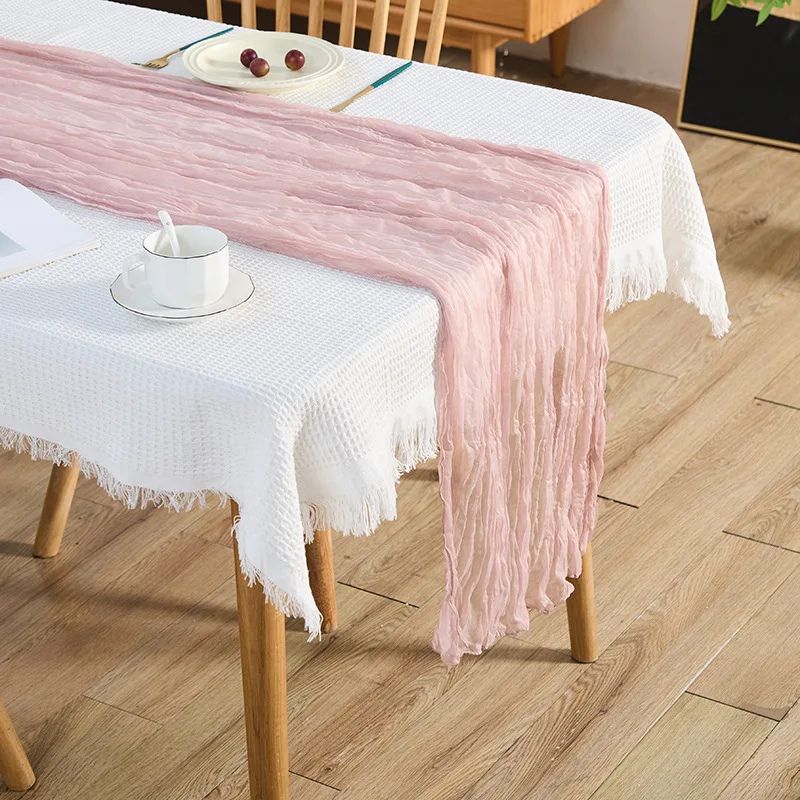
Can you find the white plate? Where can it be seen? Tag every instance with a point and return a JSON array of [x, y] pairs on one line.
[[137, 299], [217, 60]]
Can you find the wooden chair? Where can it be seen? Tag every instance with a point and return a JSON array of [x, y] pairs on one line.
[[263, 643], [347, 23], [15, 769]]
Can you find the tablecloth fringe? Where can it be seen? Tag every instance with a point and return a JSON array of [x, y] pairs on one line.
[[131, 497], [359, 514], [275, 595], [414, 441], [707, 296], [694, 277]]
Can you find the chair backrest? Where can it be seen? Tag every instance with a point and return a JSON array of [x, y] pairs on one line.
[[347, 23]]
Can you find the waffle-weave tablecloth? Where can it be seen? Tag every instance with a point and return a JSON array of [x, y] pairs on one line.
[[165, 413]]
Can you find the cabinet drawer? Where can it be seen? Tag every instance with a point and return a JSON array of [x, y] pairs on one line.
[[546, 16], [506, 13]]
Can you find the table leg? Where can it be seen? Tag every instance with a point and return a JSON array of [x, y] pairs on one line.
[[484, 52], [55, 512], [15, 769], [559, 41], [262, 639], [319, 556], [581, 613]]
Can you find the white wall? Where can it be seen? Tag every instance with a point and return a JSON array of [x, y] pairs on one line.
[[642, 40]]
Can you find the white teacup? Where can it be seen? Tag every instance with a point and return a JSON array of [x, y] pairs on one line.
[[197, 277]]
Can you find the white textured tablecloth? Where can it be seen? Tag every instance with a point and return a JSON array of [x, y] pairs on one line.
[[166, 413]]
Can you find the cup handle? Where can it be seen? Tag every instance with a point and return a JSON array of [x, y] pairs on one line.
[[135, 262]]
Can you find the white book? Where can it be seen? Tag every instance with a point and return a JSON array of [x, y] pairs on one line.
[[33, 233]]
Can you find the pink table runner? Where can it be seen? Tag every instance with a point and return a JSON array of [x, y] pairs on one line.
[[512, 242]]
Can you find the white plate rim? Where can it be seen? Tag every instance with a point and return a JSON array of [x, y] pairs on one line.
[[186, 317], [191, 55]]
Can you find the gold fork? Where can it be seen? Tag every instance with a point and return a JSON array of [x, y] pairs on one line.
[[160, 63]]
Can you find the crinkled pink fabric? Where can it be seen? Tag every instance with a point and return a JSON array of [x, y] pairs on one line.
[[512, 242]]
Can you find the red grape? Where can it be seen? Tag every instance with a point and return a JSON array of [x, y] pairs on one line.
[[247, 56], [294, 60], [259, 67]]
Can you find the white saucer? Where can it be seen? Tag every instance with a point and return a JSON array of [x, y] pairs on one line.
[[138, 300]]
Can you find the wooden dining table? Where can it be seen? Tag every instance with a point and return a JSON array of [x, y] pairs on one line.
[[651, 188]]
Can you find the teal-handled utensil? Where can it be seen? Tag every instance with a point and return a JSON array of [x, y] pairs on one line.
[[160, 63], [374, 85]]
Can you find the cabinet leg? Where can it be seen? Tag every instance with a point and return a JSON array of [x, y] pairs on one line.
[[581, 613], [319, 556], [262, 639], [15, 769], [559, 42], [55, 512], [484, 51]]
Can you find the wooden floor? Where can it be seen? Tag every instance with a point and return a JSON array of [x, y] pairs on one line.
[[119, 659]]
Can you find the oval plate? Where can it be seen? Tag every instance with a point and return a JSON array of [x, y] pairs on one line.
[[217, 60]]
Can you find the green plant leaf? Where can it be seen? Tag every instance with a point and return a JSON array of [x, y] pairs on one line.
[[764, 12], [767, 6], [717, 7]]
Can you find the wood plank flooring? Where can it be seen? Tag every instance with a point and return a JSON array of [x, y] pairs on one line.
[[119, 658]]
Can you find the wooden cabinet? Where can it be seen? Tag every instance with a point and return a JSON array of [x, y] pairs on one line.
[[482, 25]]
